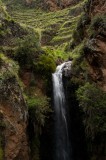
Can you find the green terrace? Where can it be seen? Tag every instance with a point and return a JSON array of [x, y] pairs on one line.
[[61, 23]]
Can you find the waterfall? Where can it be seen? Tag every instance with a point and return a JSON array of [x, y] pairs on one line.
[[62, 146]]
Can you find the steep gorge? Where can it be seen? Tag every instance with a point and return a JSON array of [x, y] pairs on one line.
[[29, 53]]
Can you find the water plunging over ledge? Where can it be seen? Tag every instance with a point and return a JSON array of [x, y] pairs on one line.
[[62, 145]]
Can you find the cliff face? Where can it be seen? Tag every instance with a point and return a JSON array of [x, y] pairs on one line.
[[14, 113], [96, 7], [13, 109], [89, 77], [90, 38], [58, 4], [46, 4], [20, 127], [95, 49]]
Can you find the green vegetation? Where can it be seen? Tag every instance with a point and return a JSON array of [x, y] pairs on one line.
[[87, 61], [45, 65], [79, 30], [8, 67], [16, 3], [38, 110], [9, 77], [98, 25], [80, 67], [62, 34], [28, 50], [92, 100], [3, 13], [58, 25], [56, 53]]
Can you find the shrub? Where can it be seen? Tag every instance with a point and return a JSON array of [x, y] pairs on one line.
[[92, 100], [27, 51], [38, 109], [45, 65]]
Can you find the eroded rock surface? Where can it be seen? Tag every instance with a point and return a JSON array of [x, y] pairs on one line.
[[14, 114], [52, 4], [67, 69]]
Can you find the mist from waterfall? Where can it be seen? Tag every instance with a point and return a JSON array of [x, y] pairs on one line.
[[62, 145]]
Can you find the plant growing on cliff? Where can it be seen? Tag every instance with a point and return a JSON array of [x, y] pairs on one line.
[[79, 31], [8, 67], [3, 13], [45, 65], [38, 110], [28, 50], [79, 65], [92, 101], [98, 25]]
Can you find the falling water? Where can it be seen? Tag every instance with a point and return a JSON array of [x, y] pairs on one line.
[[62, 148]]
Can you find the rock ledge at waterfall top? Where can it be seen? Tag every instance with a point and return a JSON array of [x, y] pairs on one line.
[[67, 69]]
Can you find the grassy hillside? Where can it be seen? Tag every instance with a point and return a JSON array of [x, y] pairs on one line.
[[55, 28]]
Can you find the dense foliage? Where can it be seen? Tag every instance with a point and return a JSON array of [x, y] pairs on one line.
[[28, 50], [38, 110], [92, 101], [45, 65]]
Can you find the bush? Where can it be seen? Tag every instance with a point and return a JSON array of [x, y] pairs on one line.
[[45, 65], [92, 100], [38, 109], [27, 51]]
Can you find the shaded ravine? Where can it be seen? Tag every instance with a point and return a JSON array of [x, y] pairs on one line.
[[62, 144]]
